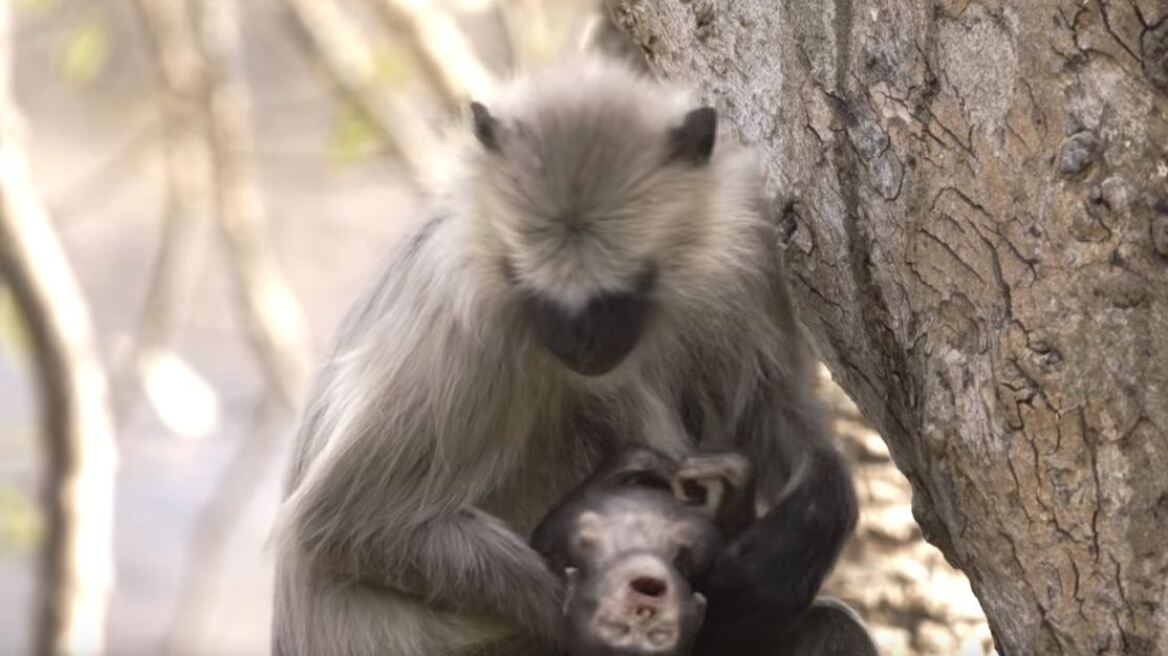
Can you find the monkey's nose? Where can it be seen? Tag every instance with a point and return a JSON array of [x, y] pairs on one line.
[[594, 340], [650, 586]]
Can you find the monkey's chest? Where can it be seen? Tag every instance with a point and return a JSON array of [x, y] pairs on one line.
[[562, 453]]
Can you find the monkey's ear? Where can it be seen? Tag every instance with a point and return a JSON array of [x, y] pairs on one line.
[[486, 127], [693, 140], [589, 537]]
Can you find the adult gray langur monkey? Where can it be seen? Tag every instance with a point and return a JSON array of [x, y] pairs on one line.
[[592, 269]]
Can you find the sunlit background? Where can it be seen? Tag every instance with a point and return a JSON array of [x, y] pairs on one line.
[[147, 138]]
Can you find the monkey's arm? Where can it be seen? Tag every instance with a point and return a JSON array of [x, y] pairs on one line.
[[781, 561], [396, 523], [777, 566], [396, 451]]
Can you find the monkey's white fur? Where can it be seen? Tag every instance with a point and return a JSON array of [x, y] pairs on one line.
[[439, 430]]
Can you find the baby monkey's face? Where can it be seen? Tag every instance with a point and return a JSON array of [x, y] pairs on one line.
[[635, 604], [636, 538], [637, 549]]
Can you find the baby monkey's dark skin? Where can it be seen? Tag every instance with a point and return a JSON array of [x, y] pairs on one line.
[[636, 544]]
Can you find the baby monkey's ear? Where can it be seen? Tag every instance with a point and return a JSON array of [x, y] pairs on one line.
[[571, 582], [700, 605], [693, 141], [486, 127]]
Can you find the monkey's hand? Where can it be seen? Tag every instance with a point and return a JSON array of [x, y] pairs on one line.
[[775, 569], [466, 560], [474, 562], [722, 485]]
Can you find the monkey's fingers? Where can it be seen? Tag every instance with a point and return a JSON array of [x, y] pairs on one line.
[[706, 494], [736, 470]]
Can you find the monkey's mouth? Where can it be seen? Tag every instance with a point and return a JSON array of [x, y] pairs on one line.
[[649, 586], [592, 341]]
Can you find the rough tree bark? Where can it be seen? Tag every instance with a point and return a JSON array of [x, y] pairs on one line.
[[973, 198]]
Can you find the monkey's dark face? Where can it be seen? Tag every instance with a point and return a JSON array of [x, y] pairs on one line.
[[593, 340], [585, 205]]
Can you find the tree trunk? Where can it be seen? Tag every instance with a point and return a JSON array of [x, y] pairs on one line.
[[973, 199]]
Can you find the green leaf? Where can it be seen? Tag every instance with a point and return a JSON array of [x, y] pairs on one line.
[[85, 53], [21, 526], [35, 5], [354, 137], [395, 64], [13, 339]]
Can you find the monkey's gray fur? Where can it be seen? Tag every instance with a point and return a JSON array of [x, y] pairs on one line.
[[439, 430]]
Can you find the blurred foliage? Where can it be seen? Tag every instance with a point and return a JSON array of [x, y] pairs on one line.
[[35, 5], [85, 53], [13, 340], [464, 5], [354, 137], [20, 523], [396, 65]]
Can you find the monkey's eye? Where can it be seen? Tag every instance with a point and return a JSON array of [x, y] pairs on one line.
[[646, 281], [509, 272], [685, 562]]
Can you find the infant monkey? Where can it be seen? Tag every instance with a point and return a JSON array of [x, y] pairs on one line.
[[632, 541]]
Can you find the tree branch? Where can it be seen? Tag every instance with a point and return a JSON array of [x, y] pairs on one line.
[[350, 64], [276, 323], [236, 485], [182, 80], [446, 55], [528, 34], [81, 453]]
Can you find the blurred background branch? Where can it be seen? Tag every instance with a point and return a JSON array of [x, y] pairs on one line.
[[78, 434], [181, 82], [206, 63], [343, 54], [275, 320], [443, 51], [529, 39]]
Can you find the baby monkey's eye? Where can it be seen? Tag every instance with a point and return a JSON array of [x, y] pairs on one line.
[[695, 494], [509, 271], [644, 479]]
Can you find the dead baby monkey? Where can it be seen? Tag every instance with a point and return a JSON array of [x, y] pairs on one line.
[[633, 540]]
